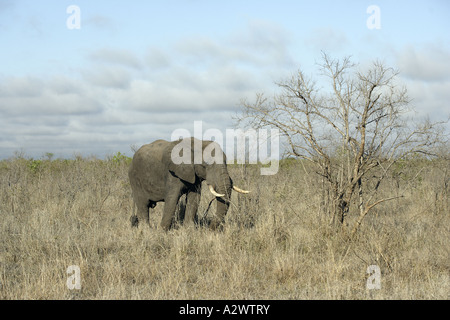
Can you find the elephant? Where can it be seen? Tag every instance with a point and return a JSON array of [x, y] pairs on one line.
[[158, 173]]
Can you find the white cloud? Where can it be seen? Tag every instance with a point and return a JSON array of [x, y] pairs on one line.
[[31, 97], [263, 43], [125, 98], [100, 22], [426, 74], [121, 57], [21, 86], [430, 63], [429, 99], [157, 59], [327, 39], [107, 76]]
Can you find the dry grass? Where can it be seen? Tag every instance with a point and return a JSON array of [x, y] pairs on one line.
[[277, 243]]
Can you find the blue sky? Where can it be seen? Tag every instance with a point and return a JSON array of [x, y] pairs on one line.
[[137, 70]]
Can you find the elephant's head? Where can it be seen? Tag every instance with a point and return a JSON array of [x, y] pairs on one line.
[[194, 161]]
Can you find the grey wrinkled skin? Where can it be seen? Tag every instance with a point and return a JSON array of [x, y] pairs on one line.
[[154, 177]]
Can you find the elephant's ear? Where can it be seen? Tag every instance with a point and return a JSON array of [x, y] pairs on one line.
[[179, 160]]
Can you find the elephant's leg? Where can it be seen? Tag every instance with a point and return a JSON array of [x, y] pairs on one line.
[[141, 205], [143, 212], [134, 219], [181, 209], [193, 199], [170, 205]]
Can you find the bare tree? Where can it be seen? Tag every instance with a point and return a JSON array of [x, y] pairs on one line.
[[351, 130]]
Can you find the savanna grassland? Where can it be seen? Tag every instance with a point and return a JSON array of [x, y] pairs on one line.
[[277, 242]]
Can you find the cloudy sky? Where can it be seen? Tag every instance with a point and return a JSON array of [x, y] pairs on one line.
[[137, 70]]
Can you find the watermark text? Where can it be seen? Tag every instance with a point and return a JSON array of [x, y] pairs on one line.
[[251, 146]]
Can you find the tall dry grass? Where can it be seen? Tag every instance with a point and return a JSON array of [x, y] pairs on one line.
[[277, 242]]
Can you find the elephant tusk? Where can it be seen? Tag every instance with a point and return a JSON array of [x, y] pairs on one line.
[[240, 190], [214, 192]]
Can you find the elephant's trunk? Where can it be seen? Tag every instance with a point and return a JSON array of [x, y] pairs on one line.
[[222, 186]]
